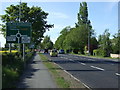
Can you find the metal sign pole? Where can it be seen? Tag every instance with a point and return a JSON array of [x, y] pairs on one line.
[[24, 54], [19, 38]]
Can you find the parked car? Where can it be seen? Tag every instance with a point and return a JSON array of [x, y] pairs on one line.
[[61, 51], [53, 53]]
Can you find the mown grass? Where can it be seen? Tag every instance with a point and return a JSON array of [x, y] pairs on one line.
[[60, 81]]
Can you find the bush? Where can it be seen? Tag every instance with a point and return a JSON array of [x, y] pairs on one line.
[[99, 52]]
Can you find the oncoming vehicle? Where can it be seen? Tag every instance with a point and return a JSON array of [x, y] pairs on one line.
[[53, 53]]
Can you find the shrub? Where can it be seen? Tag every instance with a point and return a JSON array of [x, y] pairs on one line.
[[99, 52]]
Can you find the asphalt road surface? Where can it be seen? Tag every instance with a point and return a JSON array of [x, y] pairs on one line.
[[95, 73]]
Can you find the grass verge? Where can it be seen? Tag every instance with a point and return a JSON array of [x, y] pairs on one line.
[[60, 81]]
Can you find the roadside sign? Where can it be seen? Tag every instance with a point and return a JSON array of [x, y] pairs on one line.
[[18, 32]]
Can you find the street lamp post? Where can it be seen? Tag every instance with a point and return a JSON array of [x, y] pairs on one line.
[[88, 38], [88, 42]]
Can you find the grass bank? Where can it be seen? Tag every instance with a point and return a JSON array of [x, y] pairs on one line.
[[54, 69], [12, 68]]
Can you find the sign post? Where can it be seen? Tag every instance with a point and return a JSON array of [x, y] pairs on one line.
[[19, 32]]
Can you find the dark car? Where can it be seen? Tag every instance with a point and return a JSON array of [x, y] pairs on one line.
[[45, 50], [61, 51]]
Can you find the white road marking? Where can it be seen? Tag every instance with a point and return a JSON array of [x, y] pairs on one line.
[[66, 58], [70, 59], [91, 59], [97, 68], [83, 63], [117, 74]]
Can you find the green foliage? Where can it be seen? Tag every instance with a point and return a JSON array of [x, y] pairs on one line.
[[59, 44], [12, 68], [34, 15], [47, 43], [83, 16], [116, 43], [105, 44], [77, 38], [99, 52]]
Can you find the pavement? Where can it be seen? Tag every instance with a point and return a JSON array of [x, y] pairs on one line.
[[36, 75]]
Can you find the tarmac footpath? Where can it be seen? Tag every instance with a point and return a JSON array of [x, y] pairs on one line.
[[36, 75]]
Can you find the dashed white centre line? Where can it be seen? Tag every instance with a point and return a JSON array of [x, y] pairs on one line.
[[97, 68], [83, 63], [117, 74], [71, 60]]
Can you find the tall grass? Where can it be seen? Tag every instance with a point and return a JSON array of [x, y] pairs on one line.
[[12, 68]]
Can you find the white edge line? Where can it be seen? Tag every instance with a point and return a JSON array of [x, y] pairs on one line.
[[97, 68], [73, 76], [71, 60], [83, 63], [117, 74]]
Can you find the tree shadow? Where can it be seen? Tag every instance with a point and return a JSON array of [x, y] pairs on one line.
[[28, 73]]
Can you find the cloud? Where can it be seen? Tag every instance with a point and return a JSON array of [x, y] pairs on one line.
[[59, 15]]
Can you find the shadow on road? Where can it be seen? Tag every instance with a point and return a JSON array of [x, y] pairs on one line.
[[84, 61]]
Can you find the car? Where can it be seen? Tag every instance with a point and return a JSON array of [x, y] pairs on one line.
[[61, 51], [53, 53], [45, 50]]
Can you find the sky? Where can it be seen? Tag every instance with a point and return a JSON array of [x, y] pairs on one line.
[[103, 15]]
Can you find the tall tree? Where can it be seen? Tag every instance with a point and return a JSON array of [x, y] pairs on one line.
[[35, 15], [83, 16]]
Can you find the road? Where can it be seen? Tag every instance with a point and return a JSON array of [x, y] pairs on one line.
[[95, 73]]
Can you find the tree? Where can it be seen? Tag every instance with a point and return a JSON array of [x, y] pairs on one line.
[[77, 37], [116, 43], [61, 38], [47, 43], [35, 15], [83, 16], [105, 43], [84, 22]]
